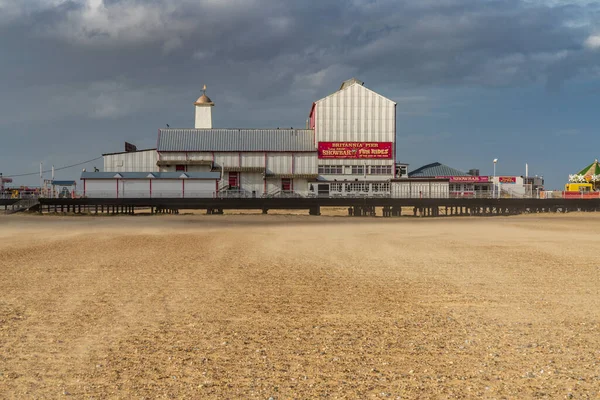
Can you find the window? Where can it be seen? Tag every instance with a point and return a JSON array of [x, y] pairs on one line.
[[358, 169], [357, 187], [381, 169], [331, 169], [335, 187], [380, 187], [180, 168]]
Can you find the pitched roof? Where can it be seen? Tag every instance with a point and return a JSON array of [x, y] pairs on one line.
[[350, 82], [300, 140], [150, 175], [435, 169], [127, 152]]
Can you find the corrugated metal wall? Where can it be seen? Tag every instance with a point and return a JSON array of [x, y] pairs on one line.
[[256, 160], [173, 156], [195, 168], [236, 140], [197, 188], [140, 188], [167, 188], [305, 163], [414, 190], [183, 156], [101, 188], [134, 188], [279, 163], [199, 156], [227, 159], [141, 161], [355, 114]]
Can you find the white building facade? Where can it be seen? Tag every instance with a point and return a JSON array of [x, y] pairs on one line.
[[135, 161], [149, 185], [203, 107], [252, 162], [355, 130], [348, 149], [420, 188]]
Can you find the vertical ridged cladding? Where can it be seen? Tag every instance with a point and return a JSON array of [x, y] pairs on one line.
[[355, 114], [144, 160], [241, 140], [279, 163], [305, 164]]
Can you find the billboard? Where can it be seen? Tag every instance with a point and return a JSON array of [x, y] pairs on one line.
[[465, 179], [130, 147], [355, 150], [507, 179]]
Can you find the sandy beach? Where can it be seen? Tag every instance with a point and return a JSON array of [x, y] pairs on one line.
[[297, 307]]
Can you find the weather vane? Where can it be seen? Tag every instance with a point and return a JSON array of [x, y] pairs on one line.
[[204, 89]]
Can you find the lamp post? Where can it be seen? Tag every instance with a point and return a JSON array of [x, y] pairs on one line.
[[495, 184]]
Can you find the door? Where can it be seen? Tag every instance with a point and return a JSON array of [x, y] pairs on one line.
[[234, 180], [286, 184]]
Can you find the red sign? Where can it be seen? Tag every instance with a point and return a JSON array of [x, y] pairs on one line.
[[355, 150], [507, 179], [465, 179]]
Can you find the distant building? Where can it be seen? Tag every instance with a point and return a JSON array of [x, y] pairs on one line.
[[461, 184]]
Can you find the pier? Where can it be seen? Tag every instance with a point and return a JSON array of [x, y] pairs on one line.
[[357, 207]]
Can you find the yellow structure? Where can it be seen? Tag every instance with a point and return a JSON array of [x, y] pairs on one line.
[[579, 187]]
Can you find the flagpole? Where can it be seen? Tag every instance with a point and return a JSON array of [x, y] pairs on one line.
[[526, 178]]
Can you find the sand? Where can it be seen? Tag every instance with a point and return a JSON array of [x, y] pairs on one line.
[[297, 307]]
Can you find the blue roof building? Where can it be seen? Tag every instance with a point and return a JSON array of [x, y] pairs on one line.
[[435, 169]]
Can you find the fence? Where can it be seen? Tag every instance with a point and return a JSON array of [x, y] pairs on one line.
[[19, 194], [434, 194], [240, 194]]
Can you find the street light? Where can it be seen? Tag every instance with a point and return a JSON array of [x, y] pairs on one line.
[[495, 187]]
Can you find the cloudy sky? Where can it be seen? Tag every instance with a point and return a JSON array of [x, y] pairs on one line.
[[517, 80]]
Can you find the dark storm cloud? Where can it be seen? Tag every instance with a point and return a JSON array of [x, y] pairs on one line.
[[263, 48], [142, 63]]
